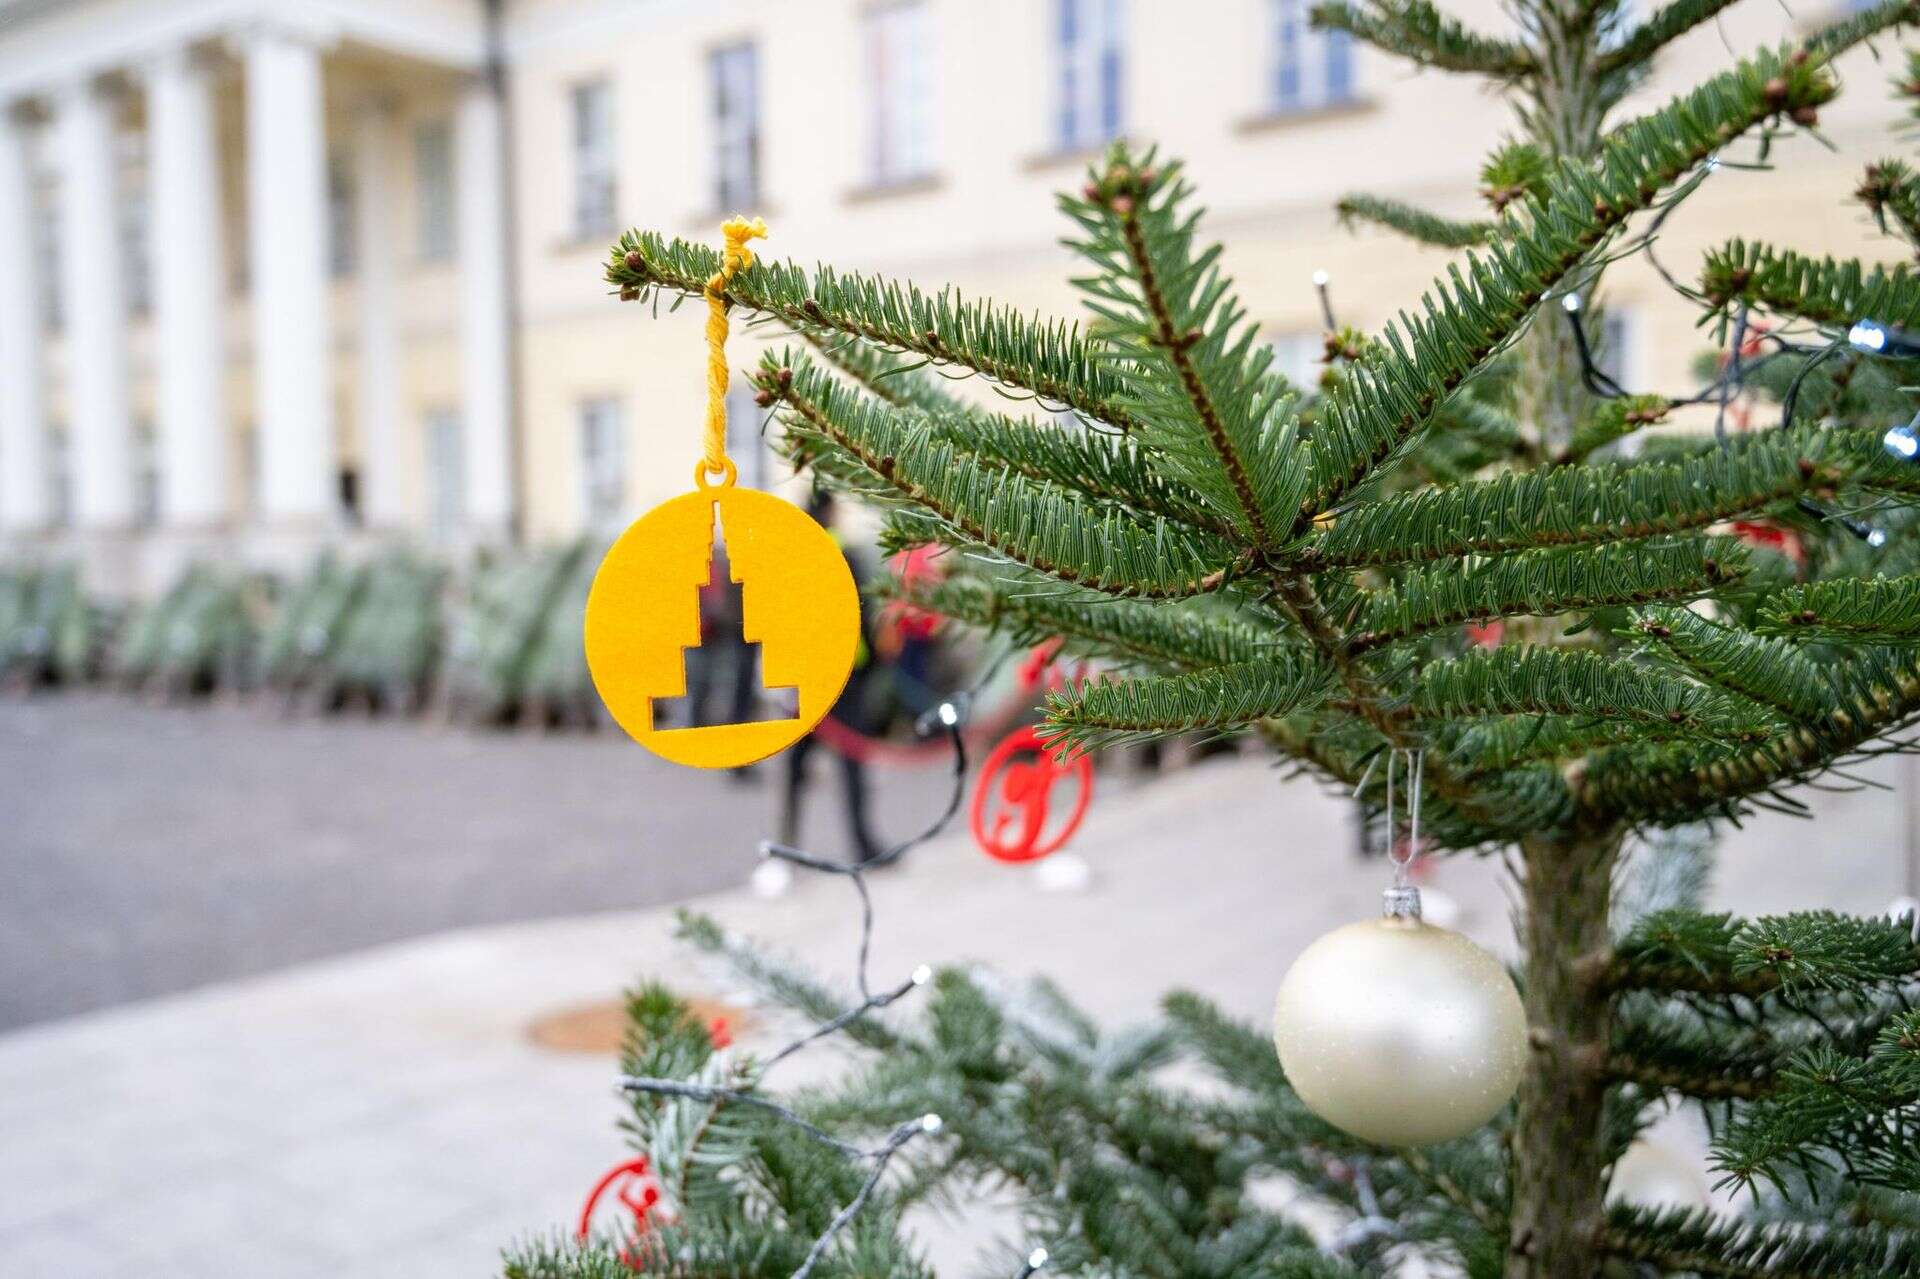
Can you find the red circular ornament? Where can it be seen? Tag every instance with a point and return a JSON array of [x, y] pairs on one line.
[[633, 1186], [1013, 801]]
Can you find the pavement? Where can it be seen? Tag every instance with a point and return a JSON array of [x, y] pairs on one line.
[[149, 849], [386, 1113]]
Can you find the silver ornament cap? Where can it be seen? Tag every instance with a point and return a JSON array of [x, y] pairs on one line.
[[1399, 1032]]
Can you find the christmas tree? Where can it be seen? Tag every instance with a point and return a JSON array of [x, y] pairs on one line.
[[1694, 625]]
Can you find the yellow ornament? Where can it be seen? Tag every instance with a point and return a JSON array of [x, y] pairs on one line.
[[797, 594]]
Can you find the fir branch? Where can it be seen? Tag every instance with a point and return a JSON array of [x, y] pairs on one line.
[[1858, 1115], [1049, 358], [1044, 526], [1529, 680], [1416, 30], [1610, 419], [1411, 221], [1768, 672], [1890, 190], [900, 381], [1576, 505], [1667, 24], [1387, 398], [1222, 697], [1032, 610], [1826, 291], [1102, 465], [1192, 374], [1695, 1241], [1497, 745], [1666, 786], [1875, 610], [1544, 584]]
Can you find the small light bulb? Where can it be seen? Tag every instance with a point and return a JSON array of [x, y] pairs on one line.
[[1713, 162], [1876, 537], [1868, 336], [1902, 441], [930, 1123], [949, 714], [1319, 279], [1572, 303], [922, 975], [1037, 1258]]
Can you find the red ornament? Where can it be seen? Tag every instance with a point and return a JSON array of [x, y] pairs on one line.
[[1020, 773], [631, 1184], [1772, 537], [1487, 636]]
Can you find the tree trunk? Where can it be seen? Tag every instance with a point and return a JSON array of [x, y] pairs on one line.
[[1559, 1152]]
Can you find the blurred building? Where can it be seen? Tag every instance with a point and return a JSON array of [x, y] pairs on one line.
[[277, 272]]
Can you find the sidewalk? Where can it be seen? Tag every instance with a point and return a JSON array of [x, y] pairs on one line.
[[385, 1114]]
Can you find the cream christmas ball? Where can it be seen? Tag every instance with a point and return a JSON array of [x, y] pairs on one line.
[[1399, 1032]]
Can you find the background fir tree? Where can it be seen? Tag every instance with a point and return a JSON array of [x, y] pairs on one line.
[[1298, 562]]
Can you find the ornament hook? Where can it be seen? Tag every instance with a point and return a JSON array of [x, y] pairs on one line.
[[1401, 899]]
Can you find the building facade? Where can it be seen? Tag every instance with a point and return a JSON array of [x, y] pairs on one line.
[[287, 272]]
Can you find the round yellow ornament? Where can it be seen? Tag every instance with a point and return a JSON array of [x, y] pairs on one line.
[[798, 602]]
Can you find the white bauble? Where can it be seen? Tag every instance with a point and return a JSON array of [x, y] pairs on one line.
[[1399, 1032]]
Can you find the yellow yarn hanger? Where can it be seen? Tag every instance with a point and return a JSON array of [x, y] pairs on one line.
[[798, 603], [736, 255]]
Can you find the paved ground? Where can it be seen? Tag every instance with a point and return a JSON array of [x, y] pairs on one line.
[[148, 849], [385, 1115]]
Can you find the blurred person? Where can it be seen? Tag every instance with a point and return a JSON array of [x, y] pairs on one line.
[[907, 637], [854, 711]]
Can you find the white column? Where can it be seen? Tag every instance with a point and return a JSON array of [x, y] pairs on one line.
[[93, 292], [26, 485], [485, 342], [287, 250], [189, 297], [378, 406]]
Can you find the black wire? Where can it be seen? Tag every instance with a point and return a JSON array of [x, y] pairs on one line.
[[1591, 374], [1792, 397]]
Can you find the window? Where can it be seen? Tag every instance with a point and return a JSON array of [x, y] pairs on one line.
[[146, 475], [60, 476], [595, 190], [340, 217], [251, 481], [1613, 350], [603, 462], [736, 127], [46, 232], [899, 57], [1090, 71], [131, 215], [1300, 358], [446, 473], [433, 191], [1310, 68], [746, 444]]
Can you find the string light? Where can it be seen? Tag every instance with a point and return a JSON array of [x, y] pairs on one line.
[[1320, 287], [1903, 441], [1874, 338], [1867, 336], [947, 717]]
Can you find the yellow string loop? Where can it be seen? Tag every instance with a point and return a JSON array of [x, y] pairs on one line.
[[738, 231]]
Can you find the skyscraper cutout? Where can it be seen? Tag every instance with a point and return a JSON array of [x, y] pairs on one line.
[[722, 612]]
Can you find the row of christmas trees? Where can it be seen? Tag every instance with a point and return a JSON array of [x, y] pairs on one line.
[[396, 633]]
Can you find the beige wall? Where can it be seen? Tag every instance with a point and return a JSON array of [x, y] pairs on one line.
[[988, 225]]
